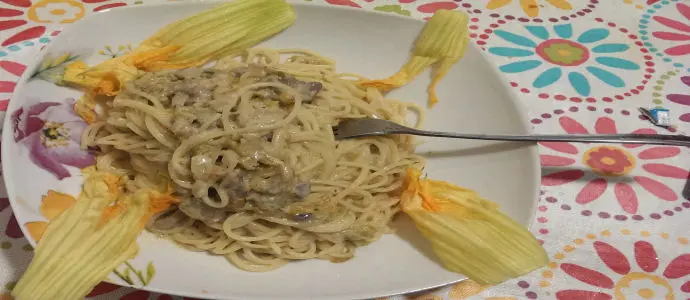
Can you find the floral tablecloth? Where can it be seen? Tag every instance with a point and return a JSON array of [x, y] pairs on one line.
[[612, 218]]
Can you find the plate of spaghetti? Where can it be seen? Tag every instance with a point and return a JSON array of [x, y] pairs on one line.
[[193, 154]]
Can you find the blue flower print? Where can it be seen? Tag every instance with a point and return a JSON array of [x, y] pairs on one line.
[[560, 54]]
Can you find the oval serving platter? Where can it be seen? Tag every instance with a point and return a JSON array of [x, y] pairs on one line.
[[474, 98]]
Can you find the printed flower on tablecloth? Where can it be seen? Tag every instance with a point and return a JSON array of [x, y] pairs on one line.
[[612, 166], [103, 288], [577, 59], [4, 203], [679, 33], [642, 276], [682, 99], [56, 11], [531, 7], [14, 70], [27, 18], [52, 133]]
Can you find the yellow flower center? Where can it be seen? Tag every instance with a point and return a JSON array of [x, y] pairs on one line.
[[608, 161], [564, 52], [646, 293], [54, 135], [58, 12]]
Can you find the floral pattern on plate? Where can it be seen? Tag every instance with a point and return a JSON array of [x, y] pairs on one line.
[[53, 67], [51, 131]]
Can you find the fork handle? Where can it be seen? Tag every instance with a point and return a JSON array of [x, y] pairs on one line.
[[652, 139]]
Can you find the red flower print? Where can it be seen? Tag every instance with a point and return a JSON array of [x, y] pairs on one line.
[[7, 87], [4, 203], [13, 68], [136, 295], [344, 3], [609, 164], [680, 31], [108, 6], [434, 6], [682, 99], [12, 230], [625, 278], [103, 288]]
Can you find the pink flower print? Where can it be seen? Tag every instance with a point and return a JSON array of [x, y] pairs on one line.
[[52, 132], [680, 31], [7, 87], [609, 163], [625, 277], [682, 99]]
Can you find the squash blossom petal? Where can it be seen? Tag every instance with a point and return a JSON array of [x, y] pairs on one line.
[[443, 42], [468, 233]]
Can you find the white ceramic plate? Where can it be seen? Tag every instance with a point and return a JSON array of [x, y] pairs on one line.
[[473, 99]]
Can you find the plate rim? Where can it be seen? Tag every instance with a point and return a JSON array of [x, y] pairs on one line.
[[8, 136]]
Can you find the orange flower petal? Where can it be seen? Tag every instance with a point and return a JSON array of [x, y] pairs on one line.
[[114, 183], [109, 213], [530, 7], [465, 289], [86, 108], [54, 203], [159, 202], [562, 4], [494, 4], [36, 229]]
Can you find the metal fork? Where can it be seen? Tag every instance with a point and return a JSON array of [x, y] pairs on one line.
[[353, 128]]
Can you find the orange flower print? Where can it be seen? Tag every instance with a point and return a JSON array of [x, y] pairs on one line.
[[56, 11], [608, 160], [530, 7]]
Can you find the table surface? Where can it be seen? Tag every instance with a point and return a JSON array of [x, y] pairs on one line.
[[611, 217]]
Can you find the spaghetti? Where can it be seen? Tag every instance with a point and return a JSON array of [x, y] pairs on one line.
[[248, 149]]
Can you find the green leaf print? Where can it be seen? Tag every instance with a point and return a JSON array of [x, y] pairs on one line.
[[393, 8]]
